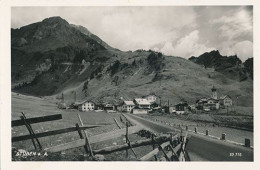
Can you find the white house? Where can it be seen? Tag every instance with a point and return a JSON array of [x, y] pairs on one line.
[[151, 98], [180, 108], [142, 103], [109, 107], [86, 106], [172, 109], [225, 100], [213, 103], [128, 106]]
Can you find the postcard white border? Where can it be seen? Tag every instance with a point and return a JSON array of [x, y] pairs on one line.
[[5, 89]]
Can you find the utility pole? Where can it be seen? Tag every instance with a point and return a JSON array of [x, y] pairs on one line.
[[75, 96], [62, 97], [160, 101], [168, 106]]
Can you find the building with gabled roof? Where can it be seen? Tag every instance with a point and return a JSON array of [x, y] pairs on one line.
[[86, 105], [109, 106], [180, 108], [212, 103], [151, 98], [225, 100], [142, 103], [128, 106]]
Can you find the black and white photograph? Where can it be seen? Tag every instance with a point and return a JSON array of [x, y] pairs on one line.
[[86, 85], [161, 83]]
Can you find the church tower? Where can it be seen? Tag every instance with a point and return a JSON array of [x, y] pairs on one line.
[[214, 93]]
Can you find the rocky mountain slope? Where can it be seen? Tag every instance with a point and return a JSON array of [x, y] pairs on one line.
[[54, 57], [231, 66]]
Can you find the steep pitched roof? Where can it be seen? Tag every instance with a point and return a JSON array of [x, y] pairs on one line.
[[212, 99], [203, 99], [226, 96], [130, 103], [142, 101]]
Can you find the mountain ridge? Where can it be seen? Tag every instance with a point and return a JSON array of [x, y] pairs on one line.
[[229, 65], [86, 65]]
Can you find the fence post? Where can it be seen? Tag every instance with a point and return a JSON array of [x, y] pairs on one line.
[[117, 124], [187, 128], [247, 142], [223, 136], [155, 157], [32, 134], [195, 130], [86, 137], [81, 136], [207, 132]]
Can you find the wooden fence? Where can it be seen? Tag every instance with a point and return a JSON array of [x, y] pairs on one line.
[[172, 147]]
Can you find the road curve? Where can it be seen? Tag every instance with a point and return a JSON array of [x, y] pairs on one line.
[[201, 148]]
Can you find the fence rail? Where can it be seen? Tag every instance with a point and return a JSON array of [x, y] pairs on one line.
[[53, 132], [37, 120], [168, 144], [94, 139]]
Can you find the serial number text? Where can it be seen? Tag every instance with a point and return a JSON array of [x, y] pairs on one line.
[[235, 154]]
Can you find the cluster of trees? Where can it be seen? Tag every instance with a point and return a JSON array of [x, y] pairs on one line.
[[20, 85], [117, 66], [114, 67], [155, 59], [85, 88], [80, 55]]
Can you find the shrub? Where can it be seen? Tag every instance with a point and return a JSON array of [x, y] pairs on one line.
[[115, 67]]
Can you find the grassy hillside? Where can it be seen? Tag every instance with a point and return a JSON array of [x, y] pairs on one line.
[[133, 76], [53, 57]]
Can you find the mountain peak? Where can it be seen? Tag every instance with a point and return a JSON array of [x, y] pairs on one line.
[[215, 52], [55, 32], [228, 65], [55, 19]]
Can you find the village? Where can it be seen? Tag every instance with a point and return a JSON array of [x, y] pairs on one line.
[[108, 122], [152, 103]]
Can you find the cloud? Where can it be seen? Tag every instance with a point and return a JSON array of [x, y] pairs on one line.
[[243, 50], [236, 25], [175, 30], [144, 27], [125, 28], [187, 46]]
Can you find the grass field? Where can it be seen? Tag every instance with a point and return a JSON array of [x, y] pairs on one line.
[[34, 107]]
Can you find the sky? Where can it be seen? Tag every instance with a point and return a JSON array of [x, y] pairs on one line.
[[183, 31]]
